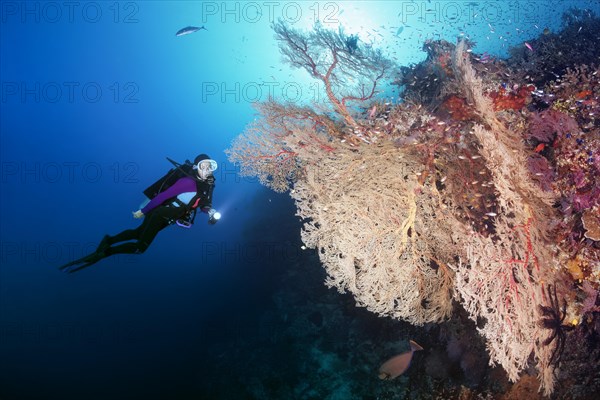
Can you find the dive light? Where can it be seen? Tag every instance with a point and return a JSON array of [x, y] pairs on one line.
[[213, 216]]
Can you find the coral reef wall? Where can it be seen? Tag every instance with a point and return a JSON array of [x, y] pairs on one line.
[[477, 190]]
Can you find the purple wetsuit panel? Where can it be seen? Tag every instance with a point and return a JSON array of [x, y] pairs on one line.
[[183, 185]]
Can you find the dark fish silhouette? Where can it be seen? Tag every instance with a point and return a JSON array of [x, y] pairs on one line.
[[189, 29]]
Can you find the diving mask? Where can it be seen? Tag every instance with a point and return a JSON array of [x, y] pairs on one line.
[[205, 168]]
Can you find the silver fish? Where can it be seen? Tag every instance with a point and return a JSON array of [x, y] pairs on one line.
[[189, 29]]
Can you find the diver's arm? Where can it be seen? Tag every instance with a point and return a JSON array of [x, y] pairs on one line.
[[182, 185], [205, 204]]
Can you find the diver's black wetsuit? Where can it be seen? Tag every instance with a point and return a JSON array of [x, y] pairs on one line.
[[163, 210], [154, 222]]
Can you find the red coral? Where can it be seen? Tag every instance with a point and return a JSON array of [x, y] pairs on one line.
[[457, 107], [511, 100], [583, 94]]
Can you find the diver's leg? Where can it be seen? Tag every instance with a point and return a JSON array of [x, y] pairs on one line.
[[145, 233], [129, 234], [126, 235], [162, 218], [101, 251], [105, 250]]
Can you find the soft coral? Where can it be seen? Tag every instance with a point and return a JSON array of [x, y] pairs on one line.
[[543, 126], [458, 108], [511, 100]]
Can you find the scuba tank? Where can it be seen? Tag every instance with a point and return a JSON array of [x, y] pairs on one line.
[[173, 175]]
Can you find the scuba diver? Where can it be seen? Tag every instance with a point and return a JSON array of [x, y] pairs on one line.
[[174, 199]]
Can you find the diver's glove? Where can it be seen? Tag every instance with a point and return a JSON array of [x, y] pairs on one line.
[[138, 214]]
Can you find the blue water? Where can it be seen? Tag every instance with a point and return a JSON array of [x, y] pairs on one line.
[[94, 97]]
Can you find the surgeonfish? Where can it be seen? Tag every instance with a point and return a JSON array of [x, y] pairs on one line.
[[189, 29], [397, 365]]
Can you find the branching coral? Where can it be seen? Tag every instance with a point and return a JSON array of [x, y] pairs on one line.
[[350, 73], [379, 233], [276, 147], [504, 272], [411, 205]]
